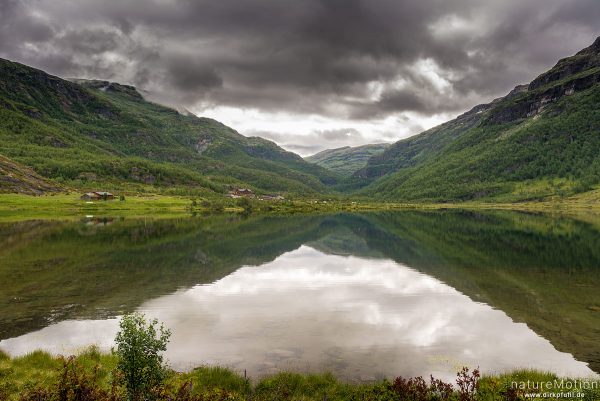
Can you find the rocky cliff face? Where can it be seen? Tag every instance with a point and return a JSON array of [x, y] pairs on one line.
[[50, 95], [107, 86], [569, 76], [586, 59]]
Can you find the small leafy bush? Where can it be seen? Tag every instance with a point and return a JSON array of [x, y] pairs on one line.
[[139, 347]]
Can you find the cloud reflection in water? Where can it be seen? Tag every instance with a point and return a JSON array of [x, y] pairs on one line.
[[360, 318]]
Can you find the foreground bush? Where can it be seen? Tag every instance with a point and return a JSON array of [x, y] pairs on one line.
[[139, 347]]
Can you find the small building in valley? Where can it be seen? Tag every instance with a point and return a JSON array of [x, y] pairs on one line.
[[98, 195]]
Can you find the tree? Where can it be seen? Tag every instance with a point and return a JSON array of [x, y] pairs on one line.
[[139, 347]]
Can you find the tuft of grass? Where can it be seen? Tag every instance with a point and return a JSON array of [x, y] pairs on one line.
[[297, 386], [213, 377], [36, 369], [40, 369], [38, 360], [92, 359]]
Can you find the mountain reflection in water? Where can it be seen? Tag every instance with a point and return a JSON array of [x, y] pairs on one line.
[[361, 296]]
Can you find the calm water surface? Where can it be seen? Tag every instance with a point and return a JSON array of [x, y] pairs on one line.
[[362, 296]]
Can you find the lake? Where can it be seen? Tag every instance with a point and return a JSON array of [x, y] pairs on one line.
[[364, 296]]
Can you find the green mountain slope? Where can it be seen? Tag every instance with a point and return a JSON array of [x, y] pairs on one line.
[[96, 133], [540, 140], [15, 177], [347, 160]]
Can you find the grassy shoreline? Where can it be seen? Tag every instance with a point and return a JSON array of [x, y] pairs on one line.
[[39, 371], [14, 207]]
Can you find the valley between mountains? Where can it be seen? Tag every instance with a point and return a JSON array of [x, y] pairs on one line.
[[539, 143]]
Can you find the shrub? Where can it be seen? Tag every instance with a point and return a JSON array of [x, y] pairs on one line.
[[245, 204], [468, 383], [417, 389], [139, 347]]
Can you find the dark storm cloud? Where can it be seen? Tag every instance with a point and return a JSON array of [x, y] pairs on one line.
[[359, 59], [188, 75], [403, 100]]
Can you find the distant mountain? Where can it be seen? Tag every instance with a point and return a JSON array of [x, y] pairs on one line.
[[541, 140], [346, 160], [99, 134]]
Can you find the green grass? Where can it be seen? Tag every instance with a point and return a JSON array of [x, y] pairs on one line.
[[216, 377], [21, 375], [17, 207]]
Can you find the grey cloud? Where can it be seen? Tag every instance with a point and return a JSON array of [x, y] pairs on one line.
[[303, 149], [311, 56], [403, 100], [18, 27], [340, 134], [88, 41], [188, 75]]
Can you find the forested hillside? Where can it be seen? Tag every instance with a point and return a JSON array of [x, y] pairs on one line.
[[91, 134], [539, 141], [347, 160]]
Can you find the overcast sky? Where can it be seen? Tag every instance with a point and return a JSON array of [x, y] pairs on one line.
[[308, 74]]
